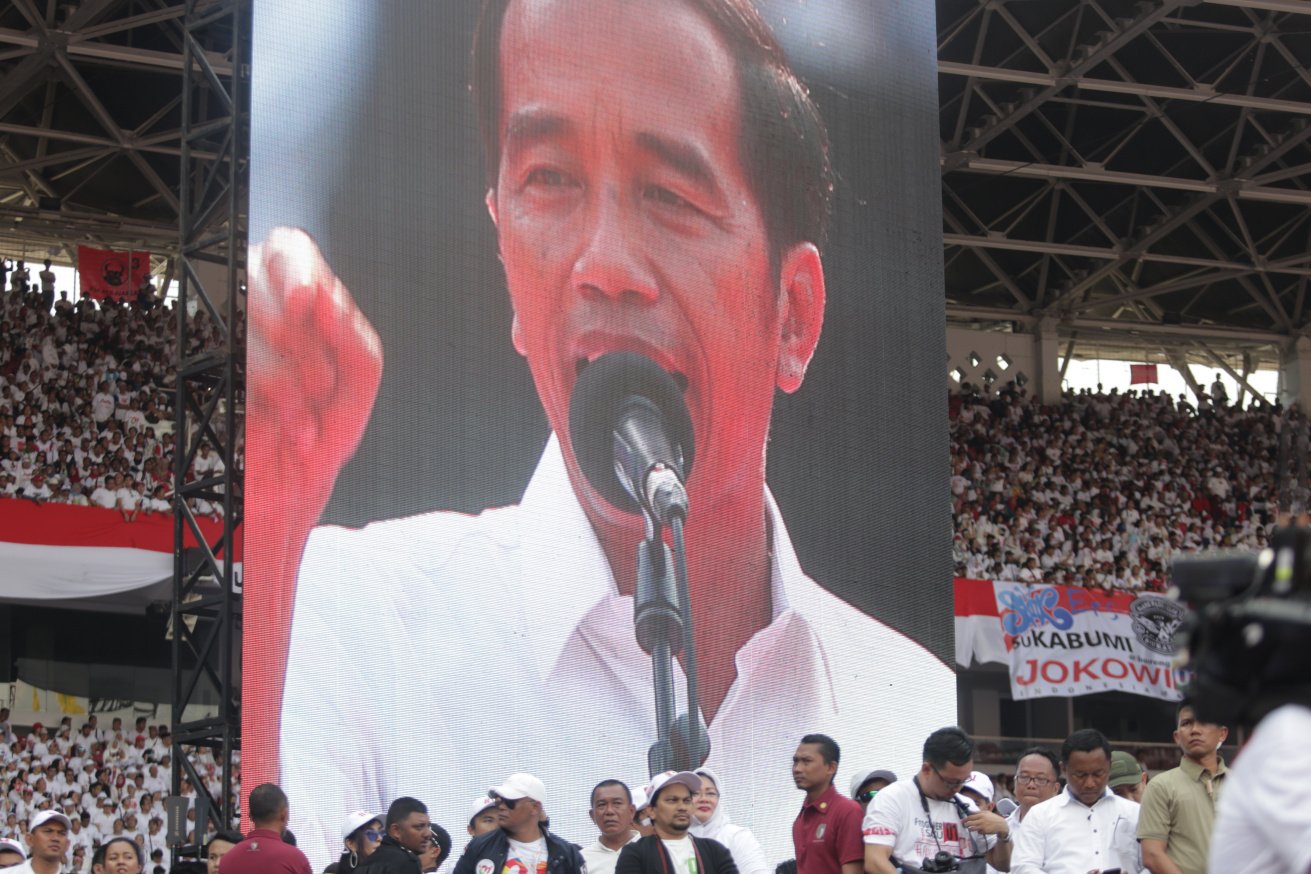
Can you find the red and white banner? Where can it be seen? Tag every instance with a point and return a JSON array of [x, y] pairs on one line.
[[56, 551], [1064, 640], [108, 274]]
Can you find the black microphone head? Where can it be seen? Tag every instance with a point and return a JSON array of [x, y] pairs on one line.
[[605, 389]]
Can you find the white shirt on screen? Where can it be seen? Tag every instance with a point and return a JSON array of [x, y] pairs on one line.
[[432, 655], [1264, 821], [1063, 836]]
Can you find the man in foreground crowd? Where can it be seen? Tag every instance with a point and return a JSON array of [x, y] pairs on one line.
[[924, 819], [826, 833], [1178, 806], [263, 851], [612, 811], [672, 848], [520, 844], [1087, 828]]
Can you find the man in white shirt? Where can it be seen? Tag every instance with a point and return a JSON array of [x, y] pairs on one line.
[[924, 819], [612, 810], [1087, 828]]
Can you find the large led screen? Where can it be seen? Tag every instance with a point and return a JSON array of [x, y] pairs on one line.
[[476, 255]]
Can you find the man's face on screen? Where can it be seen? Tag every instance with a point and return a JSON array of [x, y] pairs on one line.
[[626, 222]]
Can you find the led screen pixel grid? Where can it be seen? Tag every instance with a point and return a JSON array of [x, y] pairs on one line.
[[417, 682]]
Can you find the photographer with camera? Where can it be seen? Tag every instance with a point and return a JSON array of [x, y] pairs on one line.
[[1247, 641], [925, 825]]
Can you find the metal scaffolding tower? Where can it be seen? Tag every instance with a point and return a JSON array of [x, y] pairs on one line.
[[212, 196]]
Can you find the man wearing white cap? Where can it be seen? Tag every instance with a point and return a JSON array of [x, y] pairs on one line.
[[482, 816], [520, 844], [979, 789], [12, 853], [47, 843], [672, 849]]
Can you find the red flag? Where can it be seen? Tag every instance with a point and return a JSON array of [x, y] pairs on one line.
[[114, 275], [1142, 373]]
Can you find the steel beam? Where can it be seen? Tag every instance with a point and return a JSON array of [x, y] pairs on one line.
[[208, 408], [1200, 94]]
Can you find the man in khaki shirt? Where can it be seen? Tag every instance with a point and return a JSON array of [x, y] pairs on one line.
[[1178, 808]]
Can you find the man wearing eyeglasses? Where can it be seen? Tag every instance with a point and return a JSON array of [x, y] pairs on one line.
[[924, 824], [521, 844], [1037, 778]]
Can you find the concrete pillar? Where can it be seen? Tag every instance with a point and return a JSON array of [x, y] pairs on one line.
[[1180, 364], [1295, 373], [1046, 350]]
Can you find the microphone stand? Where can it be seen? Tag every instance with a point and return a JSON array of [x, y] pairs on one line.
[[662, 615]]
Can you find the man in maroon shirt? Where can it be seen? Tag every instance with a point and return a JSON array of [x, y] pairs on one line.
[[263, 850], [826, 833]]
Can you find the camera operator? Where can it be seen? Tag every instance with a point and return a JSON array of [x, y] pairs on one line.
[[924, 825], [1247, 646]]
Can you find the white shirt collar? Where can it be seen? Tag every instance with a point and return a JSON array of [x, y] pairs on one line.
[[587, 576]]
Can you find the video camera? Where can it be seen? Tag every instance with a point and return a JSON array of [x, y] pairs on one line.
[[1249, 631]]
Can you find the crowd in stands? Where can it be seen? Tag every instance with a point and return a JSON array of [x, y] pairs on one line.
[[1102, 489], [86, 401], [110, 782]]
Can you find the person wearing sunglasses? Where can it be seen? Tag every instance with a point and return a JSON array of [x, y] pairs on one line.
[[866, 784], [361, 832], [522, 843], [926, 824]]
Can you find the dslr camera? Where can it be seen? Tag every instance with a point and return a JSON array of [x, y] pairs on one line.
[[941, 862]]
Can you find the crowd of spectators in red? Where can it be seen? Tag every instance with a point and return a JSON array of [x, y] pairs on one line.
[[1103, 489]]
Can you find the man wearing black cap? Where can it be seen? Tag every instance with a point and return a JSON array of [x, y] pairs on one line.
[[672, 848], [521, 844]]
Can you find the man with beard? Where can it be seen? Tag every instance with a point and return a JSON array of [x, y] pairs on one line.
[[672, 848]]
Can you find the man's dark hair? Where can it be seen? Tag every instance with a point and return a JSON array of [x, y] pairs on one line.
[[229, 836], [400, 809], [604, 783], [784, 144], [443, 840], [266, 802], [828, 747], [1046, 754], [1085, 740], [948, 745]]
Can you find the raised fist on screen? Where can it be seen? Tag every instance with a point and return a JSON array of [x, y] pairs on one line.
[[313, 370]]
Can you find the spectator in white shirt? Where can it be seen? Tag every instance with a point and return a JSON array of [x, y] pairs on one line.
[[1085, 829]]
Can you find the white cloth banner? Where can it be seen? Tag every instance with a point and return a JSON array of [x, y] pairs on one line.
[[42, 573], [1065, 640]]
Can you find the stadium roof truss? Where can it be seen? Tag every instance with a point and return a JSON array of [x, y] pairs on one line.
[[1137, 172], [90, 121]]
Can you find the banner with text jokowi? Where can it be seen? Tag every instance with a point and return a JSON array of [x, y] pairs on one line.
[[1065, 640], [108, 274]]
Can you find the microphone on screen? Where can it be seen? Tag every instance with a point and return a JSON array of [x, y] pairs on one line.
[[632, 435]]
